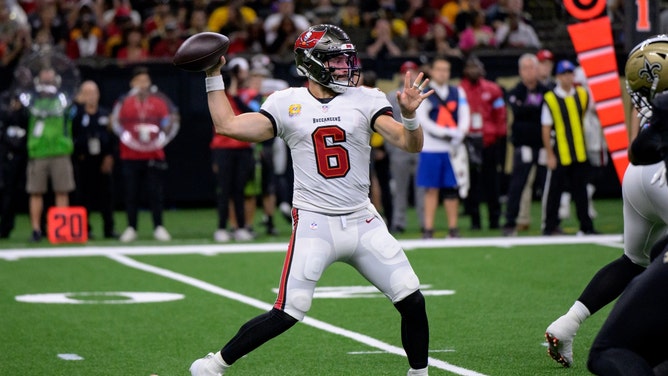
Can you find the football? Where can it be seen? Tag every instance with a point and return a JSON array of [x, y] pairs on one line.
[[201, 51]]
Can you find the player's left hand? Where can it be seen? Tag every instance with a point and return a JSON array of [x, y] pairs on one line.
[[412, 95]]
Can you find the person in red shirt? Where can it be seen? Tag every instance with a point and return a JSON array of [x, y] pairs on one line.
[[142, 120], [487, 140], [167, 45], [233, 165]]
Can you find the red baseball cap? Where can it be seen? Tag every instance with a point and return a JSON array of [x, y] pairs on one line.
[[543, 55], [407, 66]]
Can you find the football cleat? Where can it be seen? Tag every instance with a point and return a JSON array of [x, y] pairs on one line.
[[559, 336], [206, 366]]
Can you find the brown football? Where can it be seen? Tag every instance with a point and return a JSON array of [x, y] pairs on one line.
[[201, 51]]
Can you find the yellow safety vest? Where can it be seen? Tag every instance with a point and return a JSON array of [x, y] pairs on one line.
[[568, 116]]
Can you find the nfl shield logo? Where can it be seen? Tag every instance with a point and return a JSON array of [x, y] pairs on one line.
[[325, 108]]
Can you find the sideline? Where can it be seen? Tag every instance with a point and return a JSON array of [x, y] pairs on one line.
[[361, 338], [614, 240]]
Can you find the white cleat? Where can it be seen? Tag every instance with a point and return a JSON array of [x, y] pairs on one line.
[[160, 233], [418, 372], [222, 236], [206, 366], [128, 235], [559, 336], [243, 235]]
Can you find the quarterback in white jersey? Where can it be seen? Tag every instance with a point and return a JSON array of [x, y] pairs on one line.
[[329, 142], [328, 126]]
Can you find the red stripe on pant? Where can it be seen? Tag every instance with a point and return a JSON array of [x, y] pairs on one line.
[[287, 264]]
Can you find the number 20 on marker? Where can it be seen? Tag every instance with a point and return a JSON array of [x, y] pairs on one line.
[[67, 224]]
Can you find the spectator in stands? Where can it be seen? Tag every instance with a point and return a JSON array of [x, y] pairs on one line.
[[93, 157], [160, 14], [232, 17], [256, 41], [134, 47], [383, 43], [323, 13], [47, 20], [123, 19], [466, 13], [515, 33], [545, 67], [286, 8], [487, 137], [49, 147], [168, 44], [197, 22], [439, 41], [86, 39], [237, 20], [143, 162], [477, 34], [283, 45], [114, 20], [433, 32]]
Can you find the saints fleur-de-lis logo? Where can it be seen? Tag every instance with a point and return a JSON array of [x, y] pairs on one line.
[[649, 71]]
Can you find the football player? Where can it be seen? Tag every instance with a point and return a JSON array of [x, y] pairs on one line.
[[327, 126], [644, 193]]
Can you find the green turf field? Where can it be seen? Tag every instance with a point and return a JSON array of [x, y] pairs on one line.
[[489, 300]]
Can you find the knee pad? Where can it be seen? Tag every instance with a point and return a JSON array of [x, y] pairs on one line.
[[298, 303], [404, 282]]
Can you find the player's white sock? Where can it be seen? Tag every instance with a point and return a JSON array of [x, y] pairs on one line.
[[218, 359], [578, 312], [418, 372]]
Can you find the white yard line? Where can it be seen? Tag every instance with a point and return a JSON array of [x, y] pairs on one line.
[[364, 339], [213, 249]]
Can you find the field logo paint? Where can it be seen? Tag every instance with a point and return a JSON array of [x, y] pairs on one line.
[[107, 297], [354, 292]]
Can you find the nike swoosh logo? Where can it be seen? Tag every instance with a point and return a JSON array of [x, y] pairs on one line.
[[370, 219]]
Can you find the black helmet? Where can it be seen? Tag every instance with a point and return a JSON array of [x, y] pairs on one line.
[[316, 46]]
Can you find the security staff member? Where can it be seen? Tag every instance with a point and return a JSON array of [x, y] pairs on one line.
[[562, 114], [93, 158]]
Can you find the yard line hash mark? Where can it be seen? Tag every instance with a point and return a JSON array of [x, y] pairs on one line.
[[364, 339]]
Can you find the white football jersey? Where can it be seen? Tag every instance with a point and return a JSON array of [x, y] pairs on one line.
[[329, 144]]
